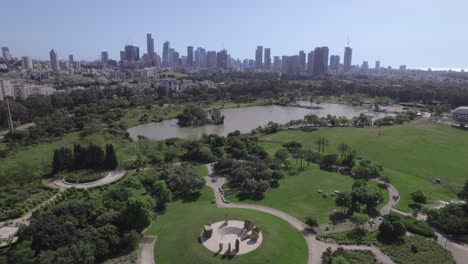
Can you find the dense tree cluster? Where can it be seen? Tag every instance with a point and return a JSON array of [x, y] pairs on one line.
[[452, 219], [182, 180], [249, 177], [361, 198], [392, 227], [88, 157], [85, 228]]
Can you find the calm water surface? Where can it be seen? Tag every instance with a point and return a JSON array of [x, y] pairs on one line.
[[245, 119]]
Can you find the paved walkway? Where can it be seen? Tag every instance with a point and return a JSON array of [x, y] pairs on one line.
[[111, 177], [316, 248], [146, 251]]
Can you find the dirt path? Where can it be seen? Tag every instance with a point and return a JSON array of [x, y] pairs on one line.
[[146, 251], [316, 248]]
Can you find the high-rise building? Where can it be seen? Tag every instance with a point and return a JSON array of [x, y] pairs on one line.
[[54, 60], [334, 63], [175, 58], [132, 53], [365, 65], [190, 56], [291, 64], [377, 65], [27, 63], [171, 57], [259, 57], [222, 58], [104, 57], [267, 58], [211, 60], [165, 58], [310, 62], [150, 49], [70, 59], [302, 60], [6, 54], [276, 63], [402, 67], [320, 60], [122, 56], [200, 57], [348, 57]]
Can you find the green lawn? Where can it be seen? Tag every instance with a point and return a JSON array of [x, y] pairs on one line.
[[412, 154], [298, 193], [179, 228], [202, 170]]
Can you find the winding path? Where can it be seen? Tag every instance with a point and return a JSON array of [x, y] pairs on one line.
[[110, 178], [316, 247]]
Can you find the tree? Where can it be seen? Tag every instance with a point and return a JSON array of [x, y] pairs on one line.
[[344, 200], [135, 214], [392, 227], [359, 219], [329, 160], [182, 180], [418, 197], [344, 149], [282, 155], [22, 253], [110, 161], [463, 194], [162, 192]]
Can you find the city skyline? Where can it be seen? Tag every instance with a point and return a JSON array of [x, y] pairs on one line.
[[375, 34]]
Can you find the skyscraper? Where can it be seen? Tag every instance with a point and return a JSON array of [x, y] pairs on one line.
[[54, 60], [200, 57], [104, 57], [320, 61], [190, 56], [165, 58], [310, 62], [27, 63], [150, 49], [377, 65], [302, 60], [365, 65], [6, 54], [70, 59], [348, 56], [122, 55], [267, 58], [171, 57], [211, 60], [259, 57], [222, 58], [276, 63], [132, 53], [334, 62]]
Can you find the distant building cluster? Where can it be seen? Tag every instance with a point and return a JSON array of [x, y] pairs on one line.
[[22, 90]]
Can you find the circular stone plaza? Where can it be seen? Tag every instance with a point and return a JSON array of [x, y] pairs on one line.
[[231, 237]]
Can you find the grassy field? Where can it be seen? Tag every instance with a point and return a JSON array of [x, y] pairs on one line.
[[201, 170], [298, 193], [412, 154], [178, 238]]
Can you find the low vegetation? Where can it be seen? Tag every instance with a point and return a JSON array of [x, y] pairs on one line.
[[83, 176], [348, 256]]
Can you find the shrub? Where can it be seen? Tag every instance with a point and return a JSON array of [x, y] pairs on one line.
[[418, 227], [311, 221]]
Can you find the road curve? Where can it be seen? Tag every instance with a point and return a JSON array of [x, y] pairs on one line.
[[316, 248]]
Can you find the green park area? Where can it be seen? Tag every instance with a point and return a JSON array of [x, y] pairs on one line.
[[178, 231], [413, 156], [298, 193]]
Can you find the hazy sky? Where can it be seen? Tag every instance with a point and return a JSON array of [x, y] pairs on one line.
[[418, 33]]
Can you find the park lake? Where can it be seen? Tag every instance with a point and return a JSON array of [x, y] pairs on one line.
[[245, 119]]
